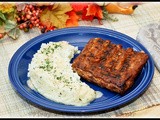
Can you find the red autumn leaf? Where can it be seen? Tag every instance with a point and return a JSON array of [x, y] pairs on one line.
[[73, 19], [95, 10], [77, 7], [91, 11], [84, 17]]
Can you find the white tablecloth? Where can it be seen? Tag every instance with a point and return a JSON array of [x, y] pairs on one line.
[[12, 105]]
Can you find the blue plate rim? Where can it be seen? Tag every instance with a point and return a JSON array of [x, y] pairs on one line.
[[133, 95]]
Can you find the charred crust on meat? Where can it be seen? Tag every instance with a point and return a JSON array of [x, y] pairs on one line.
[[109, 65]]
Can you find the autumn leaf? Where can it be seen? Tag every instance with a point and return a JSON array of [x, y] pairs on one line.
[[2, 16], [77, 7], [11, 29], [20, 6], [7, 7], [61, 8], [14, 33], [73, 19], [95, 10], [89, 17], [2, 30], [92, 11], [56, 16], [9, 25]]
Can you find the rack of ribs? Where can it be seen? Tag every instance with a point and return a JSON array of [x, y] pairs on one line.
[[109, 65]]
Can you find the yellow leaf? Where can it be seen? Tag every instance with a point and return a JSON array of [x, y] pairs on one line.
[[7, 7], [57, 16], [61, 8], [2, 30], [59, 21]]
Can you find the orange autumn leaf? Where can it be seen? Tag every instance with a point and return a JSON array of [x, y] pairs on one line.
[[73, 19], [56, 16], [84, 17], [94, 10], [77, 7]]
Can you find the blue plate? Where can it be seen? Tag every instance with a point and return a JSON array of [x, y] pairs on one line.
[[77, 36]]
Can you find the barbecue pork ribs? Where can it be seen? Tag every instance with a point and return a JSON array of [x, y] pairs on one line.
[[109, 65]]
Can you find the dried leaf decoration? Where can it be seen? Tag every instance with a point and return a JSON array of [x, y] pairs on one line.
[[2, 30], [85, 17], [7, 7], [93, 10], [11, 29], [73, 19], [56, 16], [79, 7]]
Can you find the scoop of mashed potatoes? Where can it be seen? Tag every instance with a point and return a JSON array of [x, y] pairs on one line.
[[50, 73]]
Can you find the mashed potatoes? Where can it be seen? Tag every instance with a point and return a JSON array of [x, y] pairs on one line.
[[50, 73]]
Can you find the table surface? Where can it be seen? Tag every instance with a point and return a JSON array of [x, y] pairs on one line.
[[11, 105]]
